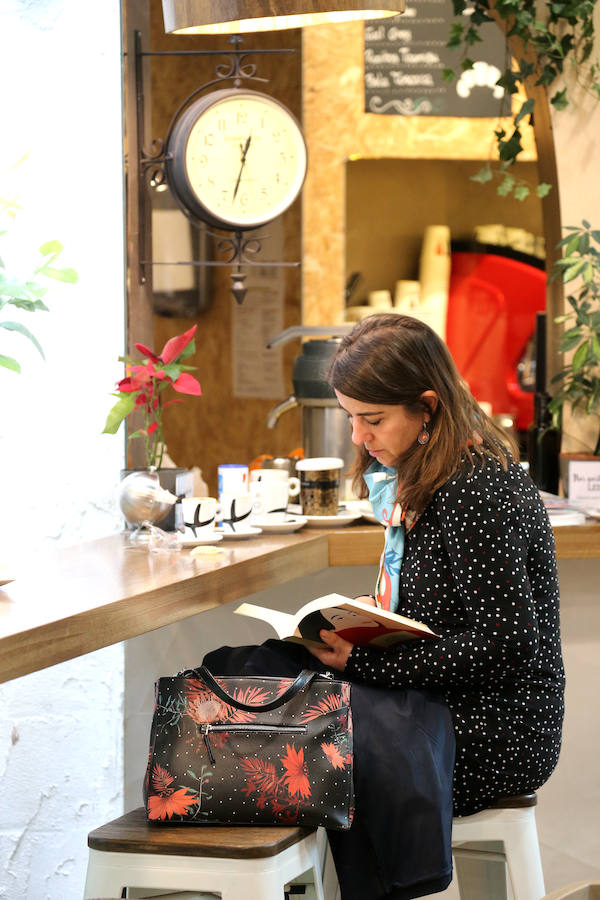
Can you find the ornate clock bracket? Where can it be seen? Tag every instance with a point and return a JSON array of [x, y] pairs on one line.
[[239, 250]]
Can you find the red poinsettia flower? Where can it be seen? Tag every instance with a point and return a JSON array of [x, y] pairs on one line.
[[333, 755], [175, 804], [295, 778], [143, 387]]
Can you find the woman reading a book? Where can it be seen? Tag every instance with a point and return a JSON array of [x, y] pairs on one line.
[[469, 551]]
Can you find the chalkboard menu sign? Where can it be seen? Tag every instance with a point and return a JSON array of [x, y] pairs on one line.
[[406, 55]]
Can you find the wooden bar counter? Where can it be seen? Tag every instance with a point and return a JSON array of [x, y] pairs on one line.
[[67, 602]]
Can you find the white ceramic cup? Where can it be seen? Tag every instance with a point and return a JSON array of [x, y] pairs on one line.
[[272, 476], [271, 500], [233, 478], [199, 515], [235, 511]]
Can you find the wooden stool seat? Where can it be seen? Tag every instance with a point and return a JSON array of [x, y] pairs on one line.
[[131, 833], [237, 862], [519, 801]]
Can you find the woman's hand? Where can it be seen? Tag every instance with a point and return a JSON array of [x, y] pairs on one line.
[[369, 599], [335, 656]]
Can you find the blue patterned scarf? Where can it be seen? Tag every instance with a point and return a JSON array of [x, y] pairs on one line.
[[382, 483]]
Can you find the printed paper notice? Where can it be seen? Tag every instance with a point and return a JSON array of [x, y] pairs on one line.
[[258, 372]]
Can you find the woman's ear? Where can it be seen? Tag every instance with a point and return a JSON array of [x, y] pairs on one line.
[[430, 399]]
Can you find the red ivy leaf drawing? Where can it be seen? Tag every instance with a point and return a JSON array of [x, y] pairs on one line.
[[326, 705], [161, 780]]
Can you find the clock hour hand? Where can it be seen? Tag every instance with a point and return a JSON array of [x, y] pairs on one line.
[[244, 150]]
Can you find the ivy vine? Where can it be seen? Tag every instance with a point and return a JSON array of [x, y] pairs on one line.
[[555, 36]]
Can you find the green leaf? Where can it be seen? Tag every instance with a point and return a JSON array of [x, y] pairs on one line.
[[466, 64], [559, 100], [526, 110], [172, 370], [580, 357], [54, 247], [574, 270], [16, 326], [188, 351], [9, 363], [69, 276], [448, 74], [521, 192], [596, 346], [570, 339], [510, 149], [543, 189], [124, 405], [509, 81], [484, 175], [505, 186]]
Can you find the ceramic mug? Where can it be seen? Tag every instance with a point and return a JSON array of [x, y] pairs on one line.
[[273, 476], [320, 485], [235, 511], [199, 516], [233, 478], [271, 500]]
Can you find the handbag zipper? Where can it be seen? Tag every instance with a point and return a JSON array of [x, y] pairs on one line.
[[205, 728]]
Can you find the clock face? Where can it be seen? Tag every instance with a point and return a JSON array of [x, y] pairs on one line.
[[238, 159]]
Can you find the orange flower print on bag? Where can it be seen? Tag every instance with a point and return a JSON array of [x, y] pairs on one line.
[[167, 802], [296, 779]]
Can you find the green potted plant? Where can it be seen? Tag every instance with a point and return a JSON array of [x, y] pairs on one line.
[[577, 384], [24, 292], [146, 390]]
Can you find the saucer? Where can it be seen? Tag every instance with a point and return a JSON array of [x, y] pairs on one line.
[[292, 523], [344, 517], [249, 532], [199, 541], [364, 508]]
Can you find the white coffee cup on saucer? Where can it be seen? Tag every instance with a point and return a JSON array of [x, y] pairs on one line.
[[199, 516], [235, 511], [271, 476], [271, 500]]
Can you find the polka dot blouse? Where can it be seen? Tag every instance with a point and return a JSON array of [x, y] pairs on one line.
[[479, 568]]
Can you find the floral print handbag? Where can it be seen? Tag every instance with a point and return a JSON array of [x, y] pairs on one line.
[[251, 750]]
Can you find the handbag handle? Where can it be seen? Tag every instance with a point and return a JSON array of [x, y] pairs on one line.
[[305, 677]]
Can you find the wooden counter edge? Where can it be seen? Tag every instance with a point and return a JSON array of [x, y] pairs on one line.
[[129, 616], [362, 545]]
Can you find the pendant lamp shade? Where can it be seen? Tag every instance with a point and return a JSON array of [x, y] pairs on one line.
[[242, 16]]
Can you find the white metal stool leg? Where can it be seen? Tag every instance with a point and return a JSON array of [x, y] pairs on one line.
[[485, 842]]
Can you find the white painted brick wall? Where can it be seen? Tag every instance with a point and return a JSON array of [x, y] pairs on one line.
[[61, 732]]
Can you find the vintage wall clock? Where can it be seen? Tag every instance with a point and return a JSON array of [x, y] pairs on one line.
[[236, 159]]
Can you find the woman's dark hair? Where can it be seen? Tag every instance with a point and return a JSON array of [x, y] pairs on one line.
[[390, 359]]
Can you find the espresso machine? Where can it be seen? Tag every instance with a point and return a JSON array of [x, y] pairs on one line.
[[325, 428]]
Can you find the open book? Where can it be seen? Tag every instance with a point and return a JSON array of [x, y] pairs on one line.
[[353, 620]]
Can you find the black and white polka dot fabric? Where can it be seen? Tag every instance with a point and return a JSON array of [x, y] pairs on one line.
[[479, 568]]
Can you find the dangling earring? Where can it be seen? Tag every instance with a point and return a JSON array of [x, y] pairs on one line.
[[423, 435]]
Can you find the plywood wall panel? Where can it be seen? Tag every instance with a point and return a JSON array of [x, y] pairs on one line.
[[219, 427]]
